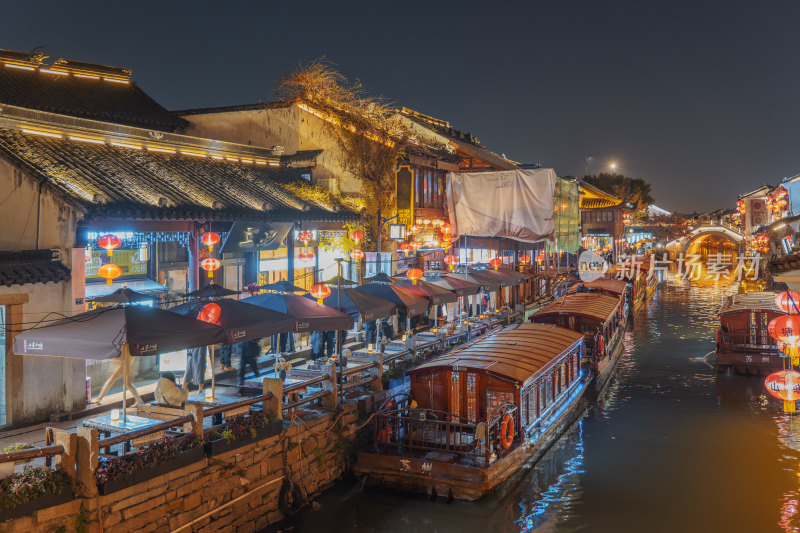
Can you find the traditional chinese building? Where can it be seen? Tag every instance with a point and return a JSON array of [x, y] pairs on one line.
[[84, 153], [602, 220]]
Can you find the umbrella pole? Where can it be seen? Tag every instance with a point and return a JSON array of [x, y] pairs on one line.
[[210, 360], [124, 356]]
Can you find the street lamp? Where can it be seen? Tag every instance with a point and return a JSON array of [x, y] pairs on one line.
[[613, 168]]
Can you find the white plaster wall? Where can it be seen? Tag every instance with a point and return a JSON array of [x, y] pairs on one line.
[[46, 385]]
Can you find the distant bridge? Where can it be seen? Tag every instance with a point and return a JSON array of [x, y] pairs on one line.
[[699, 233]]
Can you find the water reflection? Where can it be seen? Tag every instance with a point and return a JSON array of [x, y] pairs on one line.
[[669, 446]]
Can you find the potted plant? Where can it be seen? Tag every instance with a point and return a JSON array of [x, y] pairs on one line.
[[240, 431], [159, 458], [36, 487]]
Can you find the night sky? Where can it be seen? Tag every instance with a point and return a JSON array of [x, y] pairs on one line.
[[698, 98]]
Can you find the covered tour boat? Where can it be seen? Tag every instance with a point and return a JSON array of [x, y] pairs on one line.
[[744, 345], [474, 416], [600, 318], [637, 273]]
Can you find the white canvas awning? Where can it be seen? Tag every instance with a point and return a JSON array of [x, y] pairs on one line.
[[516, 204]]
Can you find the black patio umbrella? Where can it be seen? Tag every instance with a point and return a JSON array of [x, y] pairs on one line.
[[339, 280], [242, 321], [404, 299], [380, 277], [124, 296], [489, 283], [357, 303], [460, 286], [282, 286], [108, 333], [212, 290], [308, 314], [437, 295]]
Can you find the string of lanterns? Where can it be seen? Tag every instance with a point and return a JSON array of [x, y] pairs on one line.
[[210, 264], [109, 271], [785, 329]]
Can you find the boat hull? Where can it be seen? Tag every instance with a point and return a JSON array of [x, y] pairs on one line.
[[754, 363], [464, 479]]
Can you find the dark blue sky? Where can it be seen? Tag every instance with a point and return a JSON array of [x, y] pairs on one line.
[[699, 98]]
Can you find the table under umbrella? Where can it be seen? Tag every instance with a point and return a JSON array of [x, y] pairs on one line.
[[242, 321], [118, 332]]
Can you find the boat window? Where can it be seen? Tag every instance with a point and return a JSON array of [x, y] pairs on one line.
[[576, 364], [532, 414], [495, 399], [472, 397], [455, 394], [525, 416]]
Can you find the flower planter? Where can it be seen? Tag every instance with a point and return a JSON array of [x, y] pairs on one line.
[[219, 446], [42, 502], [186, 458]]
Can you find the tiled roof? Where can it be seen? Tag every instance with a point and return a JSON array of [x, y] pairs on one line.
[[68, 94], [150, 185], [35, 266]]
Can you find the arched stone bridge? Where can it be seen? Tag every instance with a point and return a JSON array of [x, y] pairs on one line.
[[701, 232]]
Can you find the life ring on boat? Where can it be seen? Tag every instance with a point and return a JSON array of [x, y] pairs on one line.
[[507, 431]]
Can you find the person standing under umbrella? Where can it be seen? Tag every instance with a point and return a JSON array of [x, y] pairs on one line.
[[196, 368], [250, 352]]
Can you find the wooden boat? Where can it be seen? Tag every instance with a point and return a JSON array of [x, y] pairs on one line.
[[600, 318], [474, 416], [617, 288], [743, 343]]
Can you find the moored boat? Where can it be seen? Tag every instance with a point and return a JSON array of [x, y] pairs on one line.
[[600, 318], [476, 415], [744, 345]]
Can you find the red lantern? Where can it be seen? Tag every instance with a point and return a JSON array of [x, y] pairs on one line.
[[524, 260], [403, 247], [357, 236], [210, 239], [785, 328], [210, 264], [788, 301], [414, 246], [496, 262], [306, 255], [320, 292], [414, 274], [451, 261], [784, 385], [109, 271], [210, 313], [109, 242], [446, 229], [305, 237], [357, 254]]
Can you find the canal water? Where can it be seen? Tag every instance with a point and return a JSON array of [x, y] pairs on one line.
[[669, 446]]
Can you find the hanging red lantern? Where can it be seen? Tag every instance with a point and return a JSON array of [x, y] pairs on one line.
[[109, 271], [357, 236], [403, 247], [446, 229], [496, 262], [414, 246], [306, 255], [788, 301], [451, 261], [305, 237], [210, 313], [320, 291], [785, 328], [784, 385], [357, 254], [524, 260], [109, 242], [210, 264], [210, 239], [414, 274]]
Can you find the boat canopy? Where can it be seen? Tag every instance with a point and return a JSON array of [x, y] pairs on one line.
[[600, 307], [616, 286], [763, 301], [516, 352]]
